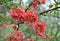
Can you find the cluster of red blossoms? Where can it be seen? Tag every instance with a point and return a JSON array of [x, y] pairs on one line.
[[37, 2], [30, 17], [17, 36], [22, 16]]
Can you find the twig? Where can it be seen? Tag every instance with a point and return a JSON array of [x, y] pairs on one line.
[[48, 10], [18, 25]]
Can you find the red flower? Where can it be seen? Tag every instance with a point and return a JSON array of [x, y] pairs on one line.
[[14, 36], [39, 28], [32, 17], [35, 4], [23, 17], [14, 26], [16, 12]]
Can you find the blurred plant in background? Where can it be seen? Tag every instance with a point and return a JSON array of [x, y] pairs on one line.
[[48, 11]]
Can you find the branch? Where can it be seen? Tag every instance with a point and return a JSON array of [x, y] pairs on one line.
[[28, 6], [52, 16], [49, 10], [18, 25], [42, 13], [58, 29]]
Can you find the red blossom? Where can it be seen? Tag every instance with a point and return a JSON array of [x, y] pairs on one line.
[[32, 17], [16, 12], [14, 36], [39, 28], [14, 26], [13, 13], [23, 17], [17, 36], [35, 4]]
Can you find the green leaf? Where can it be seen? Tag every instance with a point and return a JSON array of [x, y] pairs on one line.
[[50, 6], [1, 39], [7, 1]]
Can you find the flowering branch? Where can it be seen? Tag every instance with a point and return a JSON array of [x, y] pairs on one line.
[[42, 13]]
